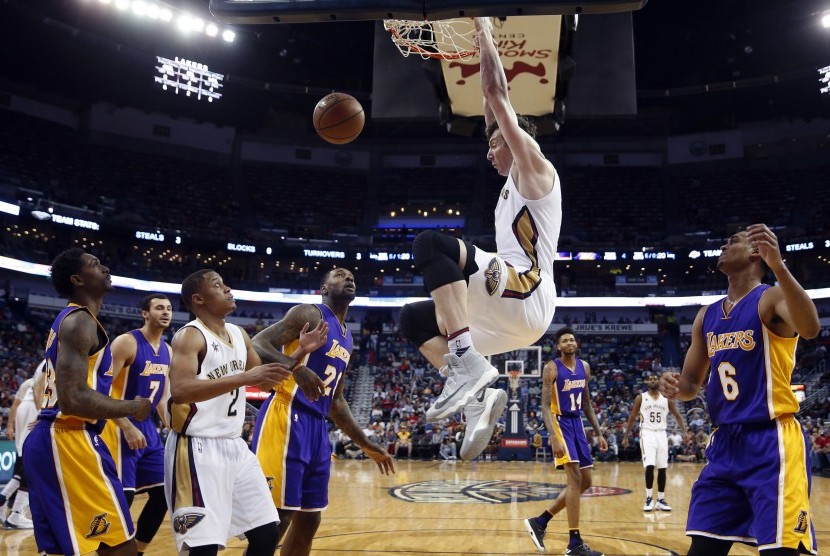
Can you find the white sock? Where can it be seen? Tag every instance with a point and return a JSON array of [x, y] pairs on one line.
[[21, 501], [460, 341], [649, 492], [661, 495], [9, 489]]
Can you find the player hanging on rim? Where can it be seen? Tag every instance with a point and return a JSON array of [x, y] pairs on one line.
[[653, 409], [484, 303], [140, 361]]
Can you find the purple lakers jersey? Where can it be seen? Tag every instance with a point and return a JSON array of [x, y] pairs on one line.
[[328, 361], [569, 393], [98, 366], [750, 367], [147, 375]]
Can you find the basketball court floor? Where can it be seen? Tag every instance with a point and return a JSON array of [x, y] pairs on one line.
[[477, 508]]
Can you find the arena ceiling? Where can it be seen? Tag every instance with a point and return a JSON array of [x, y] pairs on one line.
[[700, 64]]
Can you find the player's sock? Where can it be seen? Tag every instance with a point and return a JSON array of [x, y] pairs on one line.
[[460, 341], [574, 538], [21, 501], [661, 495], [544, 518], [9, 489], [649, 493]]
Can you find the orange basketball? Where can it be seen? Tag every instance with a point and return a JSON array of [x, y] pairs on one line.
[[338, 118]]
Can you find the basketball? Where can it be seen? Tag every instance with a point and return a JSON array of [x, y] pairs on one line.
[[338, 118]]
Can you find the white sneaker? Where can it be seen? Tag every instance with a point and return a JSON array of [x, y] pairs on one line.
[[661, 505], [482, 414], [16, 520], [649, 505], [467, 375]]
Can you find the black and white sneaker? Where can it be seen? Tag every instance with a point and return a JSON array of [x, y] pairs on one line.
[[582, 550], [537, 533]]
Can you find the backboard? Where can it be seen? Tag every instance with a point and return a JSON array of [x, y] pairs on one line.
[[303, 11]]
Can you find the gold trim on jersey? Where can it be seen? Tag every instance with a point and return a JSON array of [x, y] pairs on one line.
[[180, 415], [521, 285], [779, 362]]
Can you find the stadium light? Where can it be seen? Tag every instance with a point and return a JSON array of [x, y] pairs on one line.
[[228, 35], [825, 21], [139, 7], [184, 23], [211, 30], [122, 4], [166, 15]]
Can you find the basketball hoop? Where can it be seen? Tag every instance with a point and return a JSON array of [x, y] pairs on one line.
[[446, 39], [513, 376]]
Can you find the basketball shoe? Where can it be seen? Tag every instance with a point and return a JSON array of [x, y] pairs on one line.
[[582, 550], [661, 505], [482, 414], [537, 533], [649, 505], [16, 520], [467, 375]]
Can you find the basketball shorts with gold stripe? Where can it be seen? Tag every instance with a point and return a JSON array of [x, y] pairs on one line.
[[508, 308], [138, 469], [293, 448], [215, 490], [577, 449], [755, 488], [75, 497]]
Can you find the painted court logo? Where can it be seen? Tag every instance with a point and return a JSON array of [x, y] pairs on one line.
[[98, 526], [487, 492]]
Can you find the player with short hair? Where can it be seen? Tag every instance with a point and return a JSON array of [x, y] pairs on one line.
[[565, 397], [755, 487], [653, 410], [291, 438], [140, 361], [488, 303], [76, 499], [214, 486]]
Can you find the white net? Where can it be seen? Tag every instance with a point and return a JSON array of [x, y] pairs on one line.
[[449, 39]]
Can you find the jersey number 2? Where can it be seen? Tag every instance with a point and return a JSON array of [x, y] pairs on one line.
[[231, 408]]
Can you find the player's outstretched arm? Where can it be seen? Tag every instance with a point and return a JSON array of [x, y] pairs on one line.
[[685, 386], [189, 347], [269, 342], [78, 337], [788, 301], [535, 171], [341, 414]]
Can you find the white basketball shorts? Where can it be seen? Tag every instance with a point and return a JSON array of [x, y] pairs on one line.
[[654, 445], [508, 308], [215, 490]]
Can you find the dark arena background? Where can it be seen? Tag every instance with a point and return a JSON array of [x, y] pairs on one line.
[[163, 140]]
